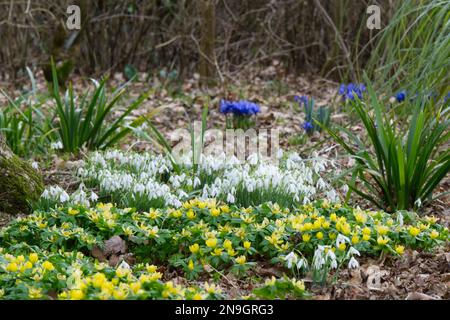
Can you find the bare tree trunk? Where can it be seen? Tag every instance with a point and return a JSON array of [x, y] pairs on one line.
[[19, 182], [207, 41]]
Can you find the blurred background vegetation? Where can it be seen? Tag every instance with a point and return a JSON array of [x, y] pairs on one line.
[[220, 38], [329, 38]]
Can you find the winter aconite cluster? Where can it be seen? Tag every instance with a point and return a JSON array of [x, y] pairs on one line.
[[48, 254]]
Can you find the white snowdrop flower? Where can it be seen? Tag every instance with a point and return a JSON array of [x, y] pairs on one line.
[[321, 185], [124, 265], [344, 188], [279, 153], [418, 203], [332, 195], [94, 196], [56, 145], [353, 263], [302, 263], [318, 259], [341, 239], [35, 165], [353, 251], [230, 198], [96, 83], [291, 259], [64, 197], [139, 188], [400, 218], [318, 263], [182, 194], [330, 255], [197, 182], [333, 264], [45, 194], [253, 159]]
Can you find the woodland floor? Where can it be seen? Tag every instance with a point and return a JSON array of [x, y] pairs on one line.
[[416, 275]]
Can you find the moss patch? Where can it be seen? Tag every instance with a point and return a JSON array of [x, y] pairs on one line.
[[19, 184]]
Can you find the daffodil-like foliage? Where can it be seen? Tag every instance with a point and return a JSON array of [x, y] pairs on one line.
[[198, 238]]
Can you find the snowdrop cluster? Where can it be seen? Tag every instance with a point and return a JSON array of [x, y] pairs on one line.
[[55, 194], [148, 179]]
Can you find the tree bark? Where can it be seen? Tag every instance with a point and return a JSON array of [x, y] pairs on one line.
[[207, 41], [20, 184]]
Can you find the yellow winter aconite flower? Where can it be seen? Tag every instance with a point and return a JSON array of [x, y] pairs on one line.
[[413, 231], [212, 288], [122, 272], [194, 248], [346, 229], [434, 234], [191, 265], [177, 214], [120, 294], [342, 246], [225, 209], [382, 240], [135, 287], [197, 296], [400, 249], [127, 231], [317, 224], [153, 232], [307, 226], [355, 239], [73, 212], [231, 252], [274, 239], [12, 267], [333, 217], [34, 293], [382, 230], [76, 294], [151, 268], [227, 244], [247, 245], [190, 214], [306, 237], [98, 280], [319, 235], [153, 214], [298, 283], [47, 265], [215, 212], [211, 242], [217, 252], [27, 265], [431, 220], [241, 260], [423, 226], [270, 282]]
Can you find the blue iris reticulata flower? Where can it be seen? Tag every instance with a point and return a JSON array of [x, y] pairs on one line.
[[307, 126], [400, 97], [242, 107], [351, 91]]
